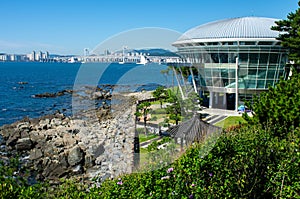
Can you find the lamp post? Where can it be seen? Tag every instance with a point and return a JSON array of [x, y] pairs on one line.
[[236, 83]]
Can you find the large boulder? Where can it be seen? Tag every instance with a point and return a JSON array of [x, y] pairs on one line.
[[24, 144], [75, 156]]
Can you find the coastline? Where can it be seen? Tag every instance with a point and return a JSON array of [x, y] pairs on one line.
[[94, 144]]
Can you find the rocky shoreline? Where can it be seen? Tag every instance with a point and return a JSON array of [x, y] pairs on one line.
[[82, 146]]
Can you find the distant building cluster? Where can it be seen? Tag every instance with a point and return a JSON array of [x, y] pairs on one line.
[[33, 56]]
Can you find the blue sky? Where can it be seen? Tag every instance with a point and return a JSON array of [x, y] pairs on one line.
[[66, 27]]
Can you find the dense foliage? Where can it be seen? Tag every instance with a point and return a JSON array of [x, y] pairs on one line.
[[160, 93], [279, 107], [290, 36], [247, 163]]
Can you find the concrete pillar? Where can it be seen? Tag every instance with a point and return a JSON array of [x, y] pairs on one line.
[[236, 83], [211, 96], [224, 101], [217, 98]]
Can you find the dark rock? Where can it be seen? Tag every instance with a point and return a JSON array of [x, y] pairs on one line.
[[50, 150], [99, 151], [89, 161], [22, 83], [11, 141], [24, 144], [75, 156], [55, 169], [35, 154], [45, 95], [51, 95]]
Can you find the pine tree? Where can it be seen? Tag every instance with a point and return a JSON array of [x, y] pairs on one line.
[[290, 36]]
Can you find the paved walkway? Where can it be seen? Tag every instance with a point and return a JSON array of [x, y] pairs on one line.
[[213, 111]]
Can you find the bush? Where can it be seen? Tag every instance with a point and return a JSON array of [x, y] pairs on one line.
[[240, 165]]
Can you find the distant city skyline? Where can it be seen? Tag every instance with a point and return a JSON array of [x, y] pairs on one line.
[[66, 27]]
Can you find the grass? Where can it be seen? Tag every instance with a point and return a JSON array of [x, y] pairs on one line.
[[143, 137], [231, 121]]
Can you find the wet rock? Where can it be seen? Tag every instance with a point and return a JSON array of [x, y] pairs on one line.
[[22, 83], [52, 95]]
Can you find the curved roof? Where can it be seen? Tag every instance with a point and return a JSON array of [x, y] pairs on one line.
[[244, 27]]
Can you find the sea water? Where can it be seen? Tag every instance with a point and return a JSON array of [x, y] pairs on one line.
[[19, 82]]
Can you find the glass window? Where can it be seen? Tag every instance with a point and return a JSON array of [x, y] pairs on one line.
[[273, 58], [261, 73], [253, 58], [243, 57], [247, 42], [231, 81], [216, 73], [207, 58], [270, 74], [208, 81], [225, 81], [212, 43], [243, 72], [250, 83], [260, 83], [230, 43], [231, 57], [223, 58], [265, 43], [224, 73], [215, 57], [252, 72], [208, 73], [231, 73], [264, 58], [217, 82]]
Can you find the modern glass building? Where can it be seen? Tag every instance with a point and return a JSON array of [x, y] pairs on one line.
[[242, 50]]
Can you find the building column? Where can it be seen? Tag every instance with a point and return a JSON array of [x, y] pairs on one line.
[[236, 83], [217, 98], [224, 101], [211, 96]]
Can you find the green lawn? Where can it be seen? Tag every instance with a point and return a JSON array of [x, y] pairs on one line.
[[231, 121], [143, 137]]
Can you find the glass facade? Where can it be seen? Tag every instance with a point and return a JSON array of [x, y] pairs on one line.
[[212, 49], [260, 66]]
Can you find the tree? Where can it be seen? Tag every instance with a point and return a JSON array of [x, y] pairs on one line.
[[160, 94], [142, 110], [290, 36], [192, 104], [174, 109], [279, 107]]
